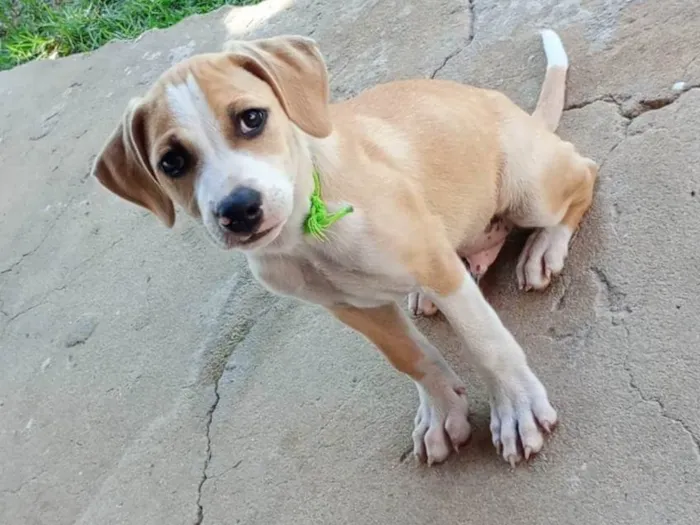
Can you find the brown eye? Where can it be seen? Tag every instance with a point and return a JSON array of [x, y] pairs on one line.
[[251, 122], [173, 163]]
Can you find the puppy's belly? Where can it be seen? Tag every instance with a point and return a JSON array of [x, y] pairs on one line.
[[481, 252], [494, 235]]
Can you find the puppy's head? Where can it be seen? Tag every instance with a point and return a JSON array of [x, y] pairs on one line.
[[218, 134]]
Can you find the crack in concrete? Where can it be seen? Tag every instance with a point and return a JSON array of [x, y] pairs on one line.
[[470, 39], [23, 484], [41, 241], [445, 61], [41, 302], [229, 469], [615, 299], [608, 99], [45, 297], [84, 262], [207, 459], [617, 308], [614, 296], [630, 108], [237, 334], [472, 21], [662, 407], [560, 301], [611, 99]]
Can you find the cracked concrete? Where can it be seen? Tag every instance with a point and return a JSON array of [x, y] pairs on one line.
[[148, 379], [470, 39], [631, 108]]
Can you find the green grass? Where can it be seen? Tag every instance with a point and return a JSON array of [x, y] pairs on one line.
[[31, 29]]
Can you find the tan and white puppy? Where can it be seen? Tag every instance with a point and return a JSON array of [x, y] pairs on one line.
[[234, 138]]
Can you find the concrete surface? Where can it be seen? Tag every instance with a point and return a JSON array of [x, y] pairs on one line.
[[147, 380]]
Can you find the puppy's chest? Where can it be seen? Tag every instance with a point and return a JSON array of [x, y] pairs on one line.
[[360, 276]]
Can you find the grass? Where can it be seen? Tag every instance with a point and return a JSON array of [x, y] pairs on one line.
[[31, 29]]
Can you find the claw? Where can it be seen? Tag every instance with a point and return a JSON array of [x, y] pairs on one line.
[[546, 425], [419, 456], [512, 460], [528, 451], [497, 444]]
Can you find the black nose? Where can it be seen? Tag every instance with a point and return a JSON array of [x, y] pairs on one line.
[[241, 211]]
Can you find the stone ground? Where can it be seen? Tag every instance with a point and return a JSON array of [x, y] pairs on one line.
[[147, 380]]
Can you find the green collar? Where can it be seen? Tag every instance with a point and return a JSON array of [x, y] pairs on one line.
[[319, 220]]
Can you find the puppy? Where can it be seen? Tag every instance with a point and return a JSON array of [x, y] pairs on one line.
[[354, 205]]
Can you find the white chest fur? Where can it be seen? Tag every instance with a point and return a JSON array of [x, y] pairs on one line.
[[347, 268]]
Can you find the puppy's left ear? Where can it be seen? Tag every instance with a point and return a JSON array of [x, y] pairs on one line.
[[295, 70], [123, 168]]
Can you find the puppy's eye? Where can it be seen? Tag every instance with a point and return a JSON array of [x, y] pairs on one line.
[[173, 163], [251, 122]]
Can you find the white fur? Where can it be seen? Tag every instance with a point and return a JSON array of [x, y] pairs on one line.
[[441, 422], [223, 169], [543, 257], [518, 398], [350, 270], [554, 50]]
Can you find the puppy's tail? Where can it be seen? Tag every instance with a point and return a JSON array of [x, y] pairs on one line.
[[550, 105]]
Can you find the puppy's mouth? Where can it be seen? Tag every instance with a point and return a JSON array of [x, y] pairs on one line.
[[256, 236], [252, 241]]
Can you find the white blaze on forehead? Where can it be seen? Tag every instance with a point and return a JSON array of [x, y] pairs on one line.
[[192, 112]]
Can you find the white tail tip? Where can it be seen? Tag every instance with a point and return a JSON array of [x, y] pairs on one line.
[[554, 50]]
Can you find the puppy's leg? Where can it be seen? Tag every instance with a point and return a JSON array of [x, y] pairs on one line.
[[520, 407], [566, 195], [441, 422]]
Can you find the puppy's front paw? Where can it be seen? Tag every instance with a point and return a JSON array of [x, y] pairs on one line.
[[542, 257], [419, 304], [441, 424], [520, 413]]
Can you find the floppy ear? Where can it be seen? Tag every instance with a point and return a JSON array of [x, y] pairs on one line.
[[296, 72], [123, 168]]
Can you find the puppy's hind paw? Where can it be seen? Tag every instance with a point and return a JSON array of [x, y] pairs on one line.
[[542, 257], [420, 305]]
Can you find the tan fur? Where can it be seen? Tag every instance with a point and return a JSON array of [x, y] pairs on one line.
[[386, 328], [551, 100], [124, 167], [295, 71], [426, 163]]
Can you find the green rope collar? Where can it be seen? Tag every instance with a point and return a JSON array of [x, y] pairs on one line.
[[319, 220]]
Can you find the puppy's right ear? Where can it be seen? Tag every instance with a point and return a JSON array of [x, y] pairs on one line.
[[123, 167], [294, 68]]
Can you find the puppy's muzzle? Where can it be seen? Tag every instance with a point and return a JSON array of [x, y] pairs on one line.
[[241, 211]]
